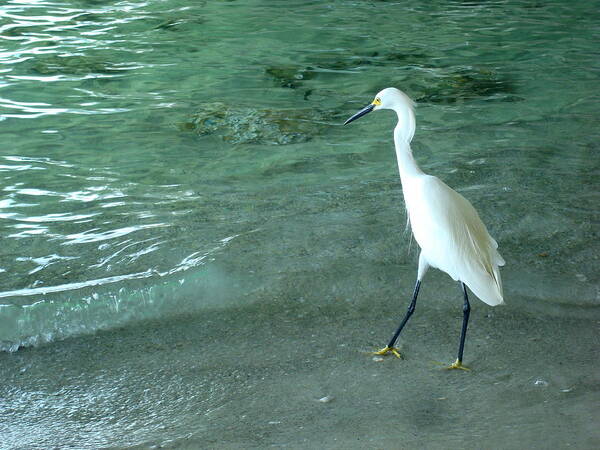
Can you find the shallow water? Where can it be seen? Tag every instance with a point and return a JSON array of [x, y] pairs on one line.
[[179, 176]]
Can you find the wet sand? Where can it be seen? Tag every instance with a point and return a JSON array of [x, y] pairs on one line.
[[298, 375]]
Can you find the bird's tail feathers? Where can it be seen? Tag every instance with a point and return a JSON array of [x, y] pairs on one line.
[[486, 284]]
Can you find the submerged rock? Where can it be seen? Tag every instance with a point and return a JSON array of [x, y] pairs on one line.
[[244, 125], [464, 84], [426, 81], [290, 76], [74, 65], [328, 63], [337, 61]]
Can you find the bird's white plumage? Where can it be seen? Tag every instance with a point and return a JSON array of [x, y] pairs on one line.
[[452, 237], [448, 229]]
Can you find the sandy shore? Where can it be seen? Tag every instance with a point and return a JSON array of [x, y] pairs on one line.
[[299, 375]]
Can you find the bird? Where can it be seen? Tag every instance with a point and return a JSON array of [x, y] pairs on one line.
[[450, 234]]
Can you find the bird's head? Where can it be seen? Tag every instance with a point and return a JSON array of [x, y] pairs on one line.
[[389, 98]]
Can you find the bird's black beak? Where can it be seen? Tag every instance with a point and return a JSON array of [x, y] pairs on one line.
[[361, 113]]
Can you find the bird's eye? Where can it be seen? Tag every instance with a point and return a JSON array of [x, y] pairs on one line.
[[377, 101]]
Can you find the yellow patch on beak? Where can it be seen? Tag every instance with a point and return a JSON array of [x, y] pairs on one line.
[[376, 102]]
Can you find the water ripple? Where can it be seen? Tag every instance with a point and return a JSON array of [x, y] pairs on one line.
[[191, 261], [95, 235]]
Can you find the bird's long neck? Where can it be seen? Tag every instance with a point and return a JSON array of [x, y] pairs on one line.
[[403, 134]]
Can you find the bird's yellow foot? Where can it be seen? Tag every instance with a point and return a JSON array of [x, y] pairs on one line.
[[457, 365], [386, 350]]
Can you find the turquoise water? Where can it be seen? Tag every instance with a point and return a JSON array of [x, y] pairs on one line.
[[167, 161]]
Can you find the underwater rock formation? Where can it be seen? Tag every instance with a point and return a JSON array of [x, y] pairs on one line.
[[75, 65], [423, 79], [462, 84], [244, 125]]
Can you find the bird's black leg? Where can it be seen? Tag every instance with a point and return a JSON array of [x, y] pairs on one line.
[[411, 308], [463, 333]]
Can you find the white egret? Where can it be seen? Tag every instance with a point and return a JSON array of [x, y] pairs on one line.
[[449, 231]]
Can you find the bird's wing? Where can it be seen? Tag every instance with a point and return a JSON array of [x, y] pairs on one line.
[[453, 238]]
